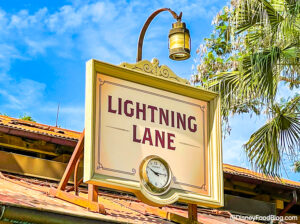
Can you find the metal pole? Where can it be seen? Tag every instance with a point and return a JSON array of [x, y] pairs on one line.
[[192, 213], [147, 23]]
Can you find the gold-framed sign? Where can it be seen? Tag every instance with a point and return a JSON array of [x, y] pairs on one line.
[[150, 133]]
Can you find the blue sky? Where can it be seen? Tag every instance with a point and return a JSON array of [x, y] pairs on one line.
[[44, 46]]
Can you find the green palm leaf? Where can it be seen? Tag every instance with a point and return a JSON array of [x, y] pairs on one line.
[[279, 135]]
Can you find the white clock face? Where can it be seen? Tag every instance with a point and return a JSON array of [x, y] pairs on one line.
[[157, 173]]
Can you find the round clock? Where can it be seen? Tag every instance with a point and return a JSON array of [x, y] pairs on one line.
[[155, 175]]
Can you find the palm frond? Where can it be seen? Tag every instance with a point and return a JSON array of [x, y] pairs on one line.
[[256, 13], [293, 7], [273, 16], [280, 135]]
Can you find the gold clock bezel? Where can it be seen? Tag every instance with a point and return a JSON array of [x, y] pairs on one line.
[[145, 180]]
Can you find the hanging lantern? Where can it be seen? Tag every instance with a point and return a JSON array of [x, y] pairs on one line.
[[179, 42]]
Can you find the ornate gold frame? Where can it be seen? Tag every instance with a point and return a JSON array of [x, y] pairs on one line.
[[160, 77]]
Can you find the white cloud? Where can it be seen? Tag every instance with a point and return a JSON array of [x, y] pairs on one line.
[[8, 52], [70, 18], [39, 46], [21, 95], [22, 20], [12, 101]]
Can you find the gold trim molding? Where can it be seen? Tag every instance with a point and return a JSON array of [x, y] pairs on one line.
[[154, 68]]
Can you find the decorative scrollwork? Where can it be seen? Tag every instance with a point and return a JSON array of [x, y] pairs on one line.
[[101, 82], [154, 69]]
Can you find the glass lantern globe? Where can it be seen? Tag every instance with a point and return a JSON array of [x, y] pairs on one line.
[[179, 42]]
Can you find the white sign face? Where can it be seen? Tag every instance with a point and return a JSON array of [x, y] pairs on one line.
[[156, 138], [136, 121]]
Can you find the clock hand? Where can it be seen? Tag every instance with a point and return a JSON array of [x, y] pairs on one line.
[[157, 174], [162, 174], [154, 172]]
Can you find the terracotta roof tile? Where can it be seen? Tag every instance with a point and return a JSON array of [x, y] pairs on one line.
[[30, 193], [12, 193], [240, 171], [37, 128]]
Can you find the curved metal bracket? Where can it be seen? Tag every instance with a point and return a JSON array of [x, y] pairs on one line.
[[145, 27]]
